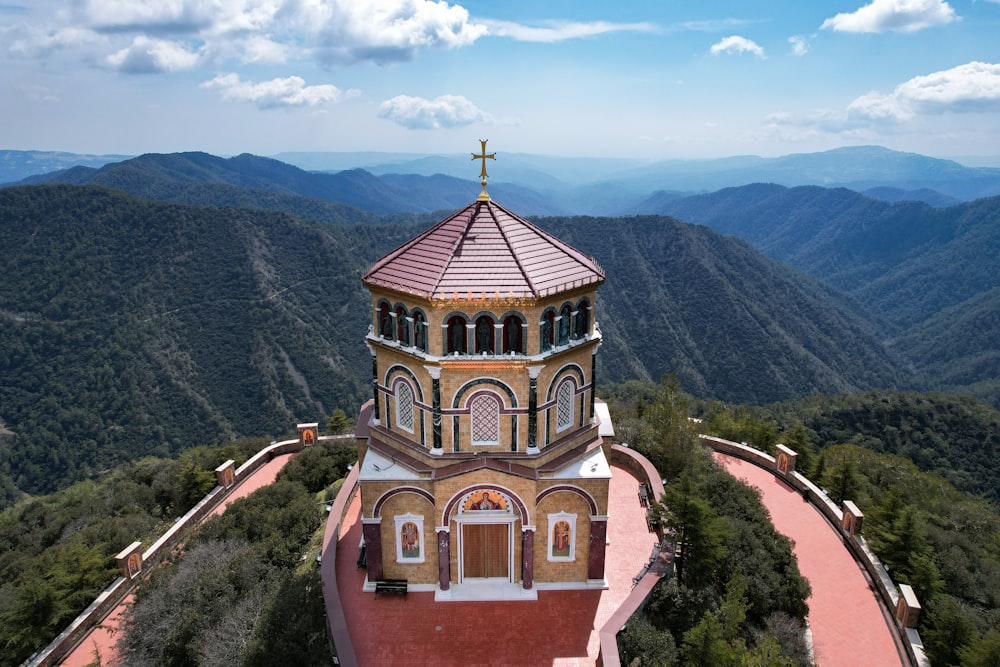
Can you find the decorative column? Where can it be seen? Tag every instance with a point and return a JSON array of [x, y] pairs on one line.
[[593, 379], [533, 372], [372, 530], [393, 324], [498, 338], [572, 324], [444, 557], [435, 373], [444, 339], [598, 547], [524, 338], [527, 557], [470, 338], [409, 332], [374, 381]]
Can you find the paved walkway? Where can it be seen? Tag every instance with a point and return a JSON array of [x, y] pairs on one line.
[[103, 637], [849, 628], [559, 629]]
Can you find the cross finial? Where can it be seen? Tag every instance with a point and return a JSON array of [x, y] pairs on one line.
[[482, 173]]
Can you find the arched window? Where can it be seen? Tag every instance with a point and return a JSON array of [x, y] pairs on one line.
[[565, 324], [547, 331], [419, 331], [564, 405], [456, 335], [404, 405], [512, 335], [484, 335], [384, 321], [402, 326], [485, 412], [582, 320]]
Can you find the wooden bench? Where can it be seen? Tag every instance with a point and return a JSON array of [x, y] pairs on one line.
[[394, 586]]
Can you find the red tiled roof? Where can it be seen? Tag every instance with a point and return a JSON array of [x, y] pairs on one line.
[[484, 249]]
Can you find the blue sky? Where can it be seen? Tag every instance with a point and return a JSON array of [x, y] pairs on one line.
[[658, 79]]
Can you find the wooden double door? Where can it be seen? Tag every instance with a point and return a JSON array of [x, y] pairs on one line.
[[486, 551]]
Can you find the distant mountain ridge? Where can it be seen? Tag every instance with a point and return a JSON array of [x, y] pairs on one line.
[[550, 185]]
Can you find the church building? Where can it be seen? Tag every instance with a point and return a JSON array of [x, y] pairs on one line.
[[483, 473]]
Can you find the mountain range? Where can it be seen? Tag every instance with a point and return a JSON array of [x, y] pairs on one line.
[[171, 300]]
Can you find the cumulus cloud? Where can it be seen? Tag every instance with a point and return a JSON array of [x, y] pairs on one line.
[[973, 87], [893, 15], [151, 56], [417, 113], [800, 46], [738, 45], [557, 31], [290, 91], [384, 31]]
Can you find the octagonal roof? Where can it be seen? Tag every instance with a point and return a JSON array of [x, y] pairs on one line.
[[484, 249]]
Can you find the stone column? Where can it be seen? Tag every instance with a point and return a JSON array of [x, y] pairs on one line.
[[444, 339], [598, 544], [444, 557], [524, 338], [409, 332], [470, 338], [498, 338], [527, 557], [593, 379], [371, 350], [372, 530], [393, 325], [572, 323], [533, 372], [435, 373]]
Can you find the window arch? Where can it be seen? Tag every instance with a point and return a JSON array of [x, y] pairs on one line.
[[456, 340], [485, 339], [564, 404], [419, 330], [547, 330], [404, 404], [484, 410], [582, 327], [565, 323], [402, 326], [384, 320], [513, 335]]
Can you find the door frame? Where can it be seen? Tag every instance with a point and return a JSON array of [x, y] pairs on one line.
[[501, 519]]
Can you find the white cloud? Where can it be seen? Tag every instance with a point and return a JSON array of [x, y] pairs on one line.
[[557, 31], [290, 91], [800, 46], [383, 31], [152, 56], [738, 45], [417, 113], [973, 87], [894, 15]]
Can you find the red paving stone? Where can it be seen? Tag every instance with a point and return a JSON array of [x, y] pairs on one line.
[[103, 637], [560, 628], [848, 625]]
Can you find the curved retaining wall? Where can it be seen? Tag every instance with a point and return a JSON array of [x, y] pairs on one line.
[[339, 636], [111, 596], [888, 592]]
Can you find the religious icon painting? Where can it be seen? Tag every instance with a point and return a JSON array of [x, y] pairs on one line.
[[409, 538], [562, 537]]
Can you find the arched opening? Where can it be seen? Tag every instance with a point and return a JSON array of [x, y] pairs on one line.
[[565, 324], [513, 335], [547, 331], [484, 335], [404, 405], [564, 404], [484, 411], [582, 319], [456, 335], [419, 331], [384, 321]]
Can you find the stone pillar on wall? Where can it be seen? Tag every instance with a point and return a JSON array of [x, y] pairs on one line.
[[129, 560], [598, 550], [444, 557], [853, 518], [908, 607], [308, 433], [372, 530], [527, 557], [225, 474], [435, 373], [371, 350], [785, 460]]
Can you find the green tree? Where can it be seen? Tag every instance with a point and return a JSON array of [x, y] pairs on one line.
[[339, 423], [672, 443], [983, 653], [700, 534], [705, 645]]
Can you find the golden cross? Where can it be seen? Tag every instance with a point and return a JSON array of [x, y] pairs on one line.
[[482, 173]]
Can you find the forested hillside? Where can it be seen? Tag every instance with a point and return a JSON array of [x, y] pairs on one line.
[[135, 327], [930, 273]]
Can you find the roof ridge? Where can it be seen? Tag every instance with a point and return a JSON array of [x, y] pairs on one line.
[[513, 252]]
